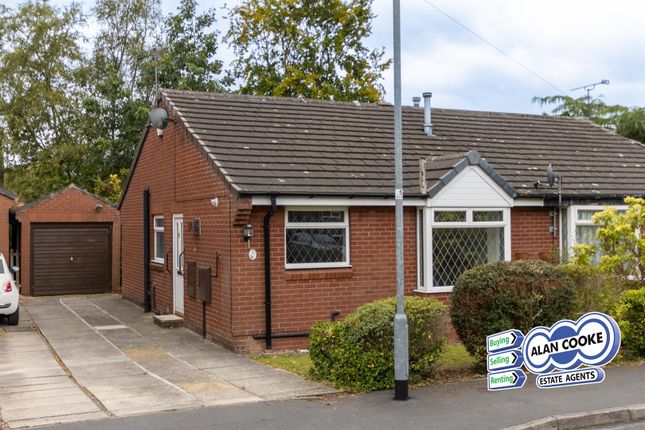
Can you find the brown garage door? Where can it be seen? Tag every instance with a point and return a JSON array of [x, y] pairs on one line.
[[70, 258]]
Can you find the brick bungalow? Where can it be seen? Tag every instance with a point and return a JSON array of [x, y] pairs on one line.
[[254, 217]]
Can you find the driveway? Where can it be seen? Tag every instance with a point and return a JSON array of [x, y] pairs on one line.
[[100, 356]]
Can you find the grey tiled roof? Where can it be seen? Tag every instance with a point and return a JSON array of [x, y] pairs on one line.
[[267, 145]]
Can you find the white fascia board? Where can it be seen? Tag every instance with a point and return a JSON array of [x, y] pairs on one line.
[[334, 201], [528, 202]]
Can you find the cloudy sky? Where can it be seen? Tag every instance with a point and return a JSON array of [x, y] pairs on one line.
[[566, 43]]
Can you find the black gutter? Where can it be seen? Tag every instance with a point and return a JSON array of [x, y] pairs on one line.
[[267, 271], [282, 335], [146, 251]]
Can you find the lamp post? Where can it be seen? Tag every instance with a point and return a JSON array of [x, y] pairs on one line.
[[400, 319]]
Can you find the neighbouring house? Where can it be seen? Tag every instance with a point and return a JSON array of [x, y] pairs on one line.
[[254, 217], [7, 201], [69, 243]]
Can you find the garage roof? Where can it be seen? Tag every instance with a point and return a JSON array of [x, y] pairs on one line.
[[57, 193]]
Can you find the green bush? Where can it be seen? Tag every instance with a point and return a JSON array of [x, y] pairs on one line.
[[630, 316], [595, 289], [518, 295], [357, 352]]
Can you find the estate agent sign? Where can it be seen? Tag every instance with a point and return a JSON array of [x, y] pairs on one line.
[[567, 353]]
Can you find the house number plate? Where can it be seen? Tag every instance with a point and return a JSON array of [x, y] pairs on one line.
[[253, 254]]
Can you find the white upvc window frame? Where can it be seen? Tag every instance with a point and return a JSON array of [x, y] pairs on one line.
[[155, 230], [344, 225], [573, 222], [430, 225]]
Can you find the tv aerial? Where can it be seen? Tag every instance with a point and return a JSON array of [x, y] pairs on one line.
[[589, 87]]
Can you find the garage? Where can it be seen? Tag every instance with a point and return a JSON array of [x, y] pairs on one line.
[[70, 259], [70, 243]]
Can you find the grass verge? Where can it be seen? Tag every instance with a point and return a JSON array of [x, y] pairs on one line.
[[298, 363], [456, 363]]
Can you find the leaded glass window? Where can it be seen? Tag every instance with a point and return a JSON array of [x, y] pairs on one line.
[[455, 250], [316, 238], [460, 239]]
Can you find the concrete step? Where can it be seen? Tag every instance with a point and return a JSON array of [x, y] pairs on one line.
[[168, 321]]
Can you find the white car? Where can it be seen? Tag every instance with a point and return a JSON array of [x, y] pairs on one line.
[[9, 294]]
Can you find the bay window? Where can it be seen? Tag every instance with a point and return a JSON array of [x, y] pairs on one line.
[[458, 240]]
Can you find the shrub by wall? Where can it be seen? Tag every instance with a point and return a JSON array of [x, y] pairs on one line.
[[357, 352], [630, 316], [518, 294], [595, 289]]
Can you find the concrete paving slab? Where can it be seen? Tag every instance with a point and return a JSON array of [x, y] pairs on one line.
[[26, 387], [110, 370], [34, 386], [40, 394], [61, 419], [44, 402]]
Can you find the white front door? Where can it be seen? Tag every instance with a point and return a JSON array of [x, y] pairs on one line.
[[178, 263]]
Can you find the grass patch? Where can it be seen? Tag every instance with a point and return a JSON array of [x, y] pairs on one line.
[[298, 363], [455, 357], [456, 363]]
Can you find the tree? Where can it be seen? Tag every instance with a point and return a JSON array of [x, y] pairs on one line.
[[117, 101], [308, 48], [40, 67], [631, 124], [628, 122], [620, 240], [595, 109], [121, 84], [187, 59]]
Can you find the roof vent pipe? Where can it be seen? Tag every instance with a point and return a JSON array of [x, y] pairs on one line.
[[416, 101], [427, 123]]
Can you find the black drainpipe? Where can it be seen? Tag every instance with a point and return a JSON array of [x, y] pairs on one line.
[[146, 251], [267, 271]]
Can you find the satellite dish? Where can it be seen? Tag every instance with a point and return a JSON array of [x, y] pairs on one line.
[[159, 118], [550, 175]]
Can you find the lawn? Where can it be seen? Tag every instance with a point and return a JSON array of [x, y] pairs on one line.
[[298, 363], [455, 363]]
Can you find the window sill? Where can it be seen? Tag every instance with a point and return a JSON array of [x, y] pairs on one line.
[[156, 266], [318, 274], [437, 290]]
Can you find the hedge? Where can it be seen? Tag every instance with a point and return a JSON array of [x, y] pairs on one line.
[[357, 352], [519, 294], [630, 316]]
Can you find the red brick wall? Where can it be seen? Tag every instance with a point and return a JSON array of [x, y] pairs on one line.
[[530, 237], [302, 297], [70, 205], [6, 204], [181, 181]]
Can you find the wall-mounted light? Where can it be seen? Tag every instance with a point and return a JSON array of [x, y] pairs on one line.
[[98, 208], [248, 232]]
